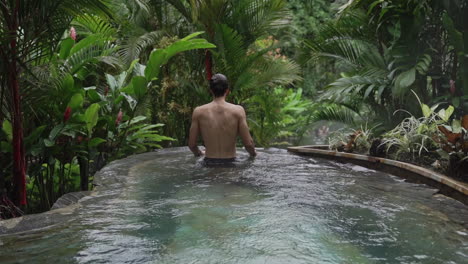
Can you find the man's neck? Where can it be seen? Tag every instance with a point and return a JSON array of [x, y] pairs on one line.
[[221, 99]]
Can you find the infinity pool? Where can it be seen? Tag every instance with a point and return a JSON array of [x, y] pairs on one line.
[[277, 208]]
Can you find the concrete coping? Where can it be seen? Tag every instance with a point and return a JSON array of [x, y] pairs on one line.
[[446, 185]]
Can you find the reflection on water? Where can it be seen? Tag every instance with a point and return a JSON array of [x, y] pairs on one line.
[[278, 208]]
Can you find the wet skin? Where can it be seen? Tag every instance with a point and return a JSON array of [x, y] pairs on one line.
[[219, 123]]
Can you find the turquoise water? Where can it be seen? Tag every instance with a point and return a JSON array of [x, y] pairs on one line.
[[278, 208]]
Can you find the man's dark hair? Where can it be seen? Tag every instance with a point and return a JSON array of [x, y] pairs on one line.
[[218, 84]]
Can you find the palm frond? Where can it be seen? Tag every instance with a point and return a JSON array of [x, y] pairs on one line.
[[88, 50], [88, 24], [338, 113], [255, 18], [364, 85], [133, 46], [230, 48]]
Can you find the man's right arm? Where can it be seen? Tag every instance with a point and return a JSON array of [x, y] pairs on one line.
[[194, 133], [245, 134]]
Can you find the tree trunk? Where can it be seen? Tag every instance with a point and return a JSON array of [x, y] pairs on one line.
[[84, 173], [19, 162]]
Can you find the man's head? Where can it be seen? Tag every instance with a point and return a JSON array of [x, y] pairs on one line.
[[218, 85]]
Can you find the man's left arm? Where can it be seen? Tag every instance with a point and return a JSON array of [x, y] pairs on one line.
[[194, 133]]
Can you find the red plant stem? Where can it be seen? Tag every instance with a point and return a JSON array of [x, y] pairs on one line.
[[19, 163], [208, 57], [208, 65]]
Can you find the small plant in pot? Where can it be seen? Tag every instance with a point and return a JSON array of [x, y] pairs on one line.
[[352, 141], [453, 141]]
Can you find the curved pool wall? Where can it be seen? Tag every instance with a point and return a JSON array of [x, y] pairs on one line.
[[111, 177], [164, 207], [446, 185]]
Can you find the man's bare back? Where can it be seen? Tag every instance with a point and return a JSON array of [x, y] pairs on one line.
[[219, 123]]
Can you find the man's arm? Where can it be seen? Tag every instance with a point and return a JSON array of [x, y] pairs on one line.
[[245, 134], [194, 132]]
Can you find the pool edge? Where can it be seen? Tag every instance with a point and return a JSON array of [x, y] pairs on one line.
[[113, 175], [446, 185]]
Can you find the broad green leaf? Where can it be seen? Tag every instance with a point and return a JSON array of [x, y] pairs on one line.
[[128, 89], [406, 79], [156, 60], [383, 12], [181, 46], [118, 99], [137, 119], [90, 40], [91, 117], [35, 150], [70, 133], [55, 131], [132, 65], [139, 70], [368, 90], [380, 92], [80, 118], [96, 142], [68, 83], [445, 114], [373, 5], [139, 86], [29, 140], [94, 96], [456, 126], [5, 147], [111, 81], [130, 100], [76, 101], [441, 114], [65, 48], [161, 56], [426, 110], [191, 36], [434, 107], [455, 36], [48, 142], [7, 128]]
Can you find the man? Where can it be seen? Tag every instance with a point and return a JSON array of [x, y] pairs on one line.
[[219, 123]]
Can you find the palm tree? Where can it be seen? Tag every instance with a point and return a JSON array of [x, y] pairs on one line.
[[29, 32], [234, 26], [379, 57]]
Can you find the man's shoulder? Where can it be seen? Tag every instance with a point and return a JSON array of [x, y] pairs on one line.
[[237, 110], [201, 108], [235, 107], [232, 108]]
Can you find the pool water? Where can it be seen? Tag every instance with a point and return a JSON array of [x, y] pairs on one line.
[[277, 208]]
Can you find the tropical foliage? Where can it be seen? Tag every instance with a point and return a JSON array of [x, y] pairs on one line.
[[85, 82], [383, 52], [385, 49], [82, 110]]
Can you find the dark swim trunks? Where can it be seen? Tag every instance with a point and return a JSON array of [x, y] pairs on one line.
[[215, 162]]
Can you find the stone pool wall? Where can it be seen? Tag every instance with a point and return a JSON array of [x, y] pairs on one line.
[[114, 176]]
